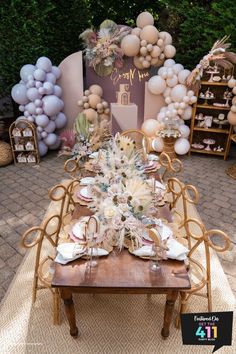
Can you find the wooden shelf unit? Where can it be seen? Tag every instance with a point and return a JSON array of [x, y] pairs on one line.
[[220, 135]]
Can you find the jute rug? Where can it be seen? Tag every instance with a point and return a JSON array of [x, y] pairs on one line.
[[107, 323]]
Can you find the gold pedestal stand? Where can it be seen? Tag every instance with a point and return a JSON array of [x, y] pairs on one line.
[[169, 143]]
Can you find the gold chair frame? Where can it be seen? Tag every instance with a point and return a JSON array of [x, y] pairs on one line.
[[144, 139], [170, 167], [64, 195]]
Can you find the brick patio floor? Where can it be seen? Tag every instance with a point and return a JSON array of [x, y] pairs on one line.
[[24, 200]]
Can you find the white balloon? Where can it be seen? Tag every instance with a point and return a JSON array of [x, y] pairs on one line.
[[161, 116], [163, 109], [60, 121], [161, 70], [18, 93], [26, 70], [50, 127], [182, 76], [172, 82], [170, 73], [39, 110], [57, 91], [186, 99], [51, 78], [176, 104], [44, 63], [190, 93], [180, 111], [169, 63], [30, 119], [38, 103], [32, 94], [50, 139], [56, 71], [184, 131], [181, 146], [44, 134], [42, 91], [30, 108], [51, 105], [177, 68], [156, 85], [49, 87], [193, 99], [182, 105], [187, 114], [38, 84], [39, 129], [21, 108], [42, 120], [232, 83], [26, 114], [164, 74], [43, 149], [168, 100], [157, 144], [178, 93], [39, 75]]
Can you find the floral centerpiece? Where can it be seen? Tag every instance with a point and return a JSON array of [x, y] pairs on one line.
[[121, 195], [103, 50]]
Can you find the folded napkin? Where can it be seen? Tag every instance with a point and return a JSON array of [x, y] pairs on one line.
[[68, 252], [176, 250]]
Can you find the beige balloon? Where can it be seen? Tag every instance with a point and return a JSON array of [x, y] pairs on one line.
[[138, 63], [231, 118], [148, 58], [130, 45], [96, 90], [150, 34], [234, 100], [143, 51], [167, 38], [136, 31], [146, 64], [155, 51], [233, 108], [104, 116], [94, 100], [169, 51], [154, 61], [90, 114], [234, 90], [232, 83], [149, 47], [144, 19]]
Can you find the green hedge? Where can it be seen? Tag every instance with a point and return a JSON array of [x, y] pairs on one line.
[[32, 28]]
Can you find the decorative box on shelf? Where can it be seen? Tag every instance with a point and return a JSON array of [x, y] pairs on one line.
[[210, 129], [23, 140]]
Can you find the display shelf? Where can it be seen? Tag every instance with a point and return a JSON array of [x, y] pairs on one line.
[[212, 130], [23, 133], [214, 83], [222, 136], [203, 151], [206, 106]]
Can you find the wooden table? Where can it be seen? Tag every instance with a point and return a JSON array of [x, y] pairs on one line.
[[120, 274]]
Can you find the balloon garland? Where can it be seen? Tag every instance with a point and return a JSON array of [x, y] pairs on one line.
[[39, 100]]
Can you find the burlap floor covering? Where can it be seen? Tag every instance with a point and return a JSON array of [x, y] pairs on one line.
[[107, 323]]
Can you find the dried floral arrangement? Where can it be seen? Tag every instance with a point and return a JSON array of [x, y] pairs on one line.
[[121, 194], [103, 50], [84, 139], [218, 54]]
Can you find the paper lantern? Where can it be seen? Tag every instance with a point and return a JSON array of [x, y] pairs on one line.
[[231, 118], [232, 83], [150, 127], [94, 100], [184, 131], [130, 45], [156, 85], [182, 146], [182, 76], [149, 33], [187, 113], [144, 19], [178, 93], [169, 51], [157, 144], [96, 89], [166, 37]]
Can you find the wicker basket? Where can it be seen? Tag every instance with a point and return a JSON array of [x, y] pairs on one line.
[[169, 143], [5, 154]]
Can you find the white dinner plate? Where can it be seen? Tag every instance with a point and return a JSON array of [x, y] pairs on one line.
[[86, 181]]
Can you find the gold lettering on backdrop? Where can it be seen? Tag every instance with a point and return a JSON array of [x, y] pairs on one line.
[[128, 75]]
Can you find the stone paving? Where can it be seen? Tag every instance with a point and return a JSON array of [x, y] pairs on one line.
[[24, 200]]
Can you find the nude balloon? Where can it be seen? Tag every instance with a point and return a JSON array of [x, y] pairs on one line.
[[178, 92], [144, 19], [130, 45], [149, 33], [182, 76], [156, 85]]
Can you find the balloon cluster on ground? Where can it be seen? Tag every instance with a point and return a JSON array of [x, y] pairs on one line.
[[232, 113], [94, 107], [39, 100], [170, 82], [146, 44]]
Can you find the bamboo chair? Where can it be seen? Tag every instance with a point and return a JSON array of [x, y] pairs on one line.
[[140, 139], [200, 274], [49, 231], [169, 167], [181, 196]]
